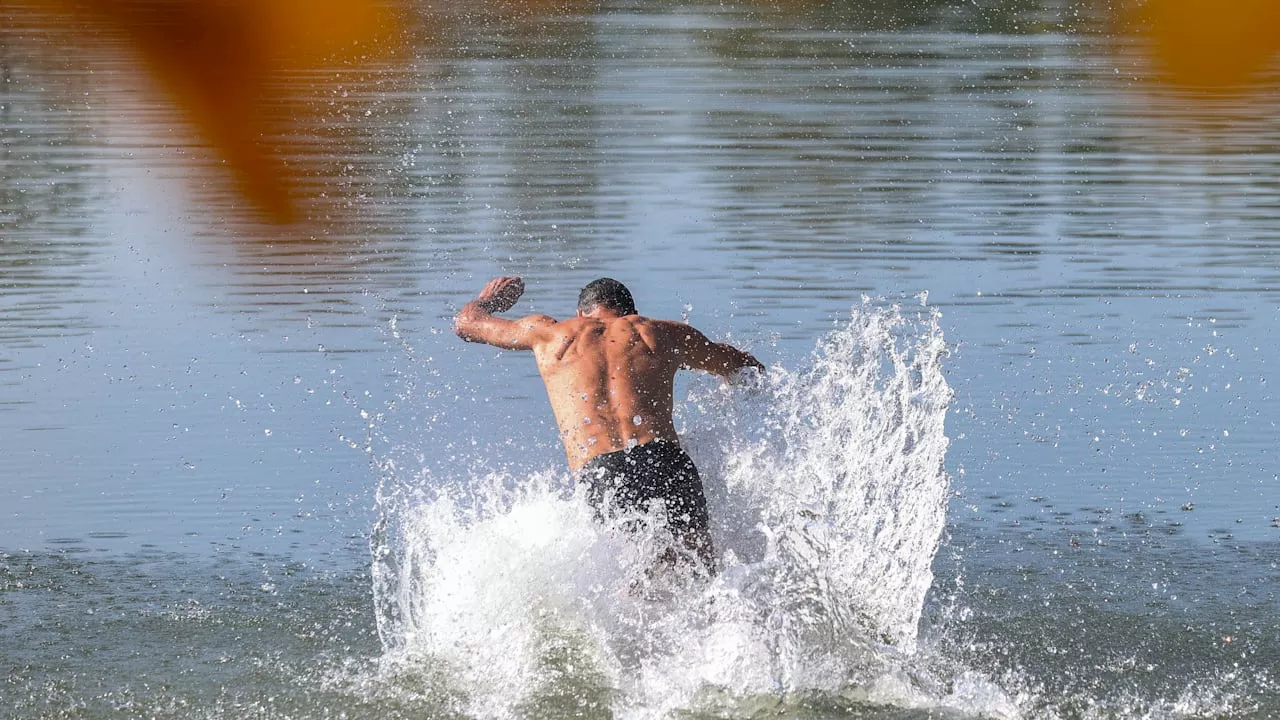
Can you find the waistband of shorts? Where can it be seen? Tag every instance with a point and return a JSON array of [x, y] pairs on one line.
[[657, 444]]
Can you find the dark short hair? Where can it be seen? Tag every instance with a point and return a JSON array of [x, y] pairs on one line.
[[609, 294]]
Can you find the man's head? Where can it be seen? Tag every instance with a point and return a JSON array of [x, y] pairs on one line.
[[606, 294]]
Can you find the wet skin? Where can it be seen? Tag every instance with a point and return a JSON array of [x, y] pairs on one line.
[[609, 376]]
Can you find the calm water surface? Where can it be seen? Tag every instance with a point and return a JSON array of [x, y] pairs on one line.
[[198, 410]]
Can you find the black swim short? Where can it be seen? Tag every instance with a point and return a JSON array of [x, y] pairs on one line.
[[629, 480]]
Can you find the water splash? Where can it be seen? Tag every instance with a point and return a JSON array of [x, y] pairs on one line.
[[842, 463], [828, 499]]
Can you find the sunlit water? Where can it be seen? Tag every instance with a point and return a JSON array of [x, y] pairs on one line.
[[252, 473]]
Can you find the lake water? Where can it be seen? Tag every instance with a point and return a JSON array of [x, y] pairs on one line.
[[1015, 457]]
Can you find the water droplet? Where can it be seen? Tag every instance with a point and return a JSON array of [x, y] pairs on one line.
[[637, 420]]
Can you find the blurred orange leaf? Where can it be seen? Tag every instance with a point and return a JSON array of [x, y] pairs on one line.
[[1211, 43]]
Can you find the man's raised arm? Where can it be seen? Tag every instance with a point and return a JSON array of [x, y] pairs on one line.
[[476, 321], [697, 352]]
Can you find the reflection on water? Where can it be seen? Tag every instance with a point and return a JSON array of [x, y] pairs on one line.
[[894, 135], [51, 179]]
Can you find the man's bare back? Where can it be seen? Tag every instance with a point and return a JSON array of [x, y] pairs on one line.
[[609, 381], [610, 374]]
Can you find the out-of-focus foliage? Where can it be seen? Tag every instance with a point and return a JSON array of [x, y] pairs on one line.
[[223, 62], [232, 66], [1216, 44]]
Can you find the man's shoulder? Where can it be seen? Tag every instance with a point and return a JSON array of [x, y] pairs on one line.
[[672, 328], [642, 324], [661, 334], [628, 324], [648, 322]]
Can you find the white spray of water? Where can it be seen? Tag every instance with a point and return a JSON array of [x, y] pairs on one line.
[[827, 492]]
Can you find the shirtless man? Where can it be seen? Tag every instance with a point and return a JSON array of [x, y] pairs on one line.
[[610, 374]]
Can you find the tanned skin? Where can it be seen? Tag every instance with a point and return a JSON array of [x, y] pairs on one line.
[[610, 377]]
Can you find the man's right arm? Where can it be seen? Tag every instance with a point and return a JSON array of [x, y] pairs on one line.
[[697, 352], [476, 321]]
